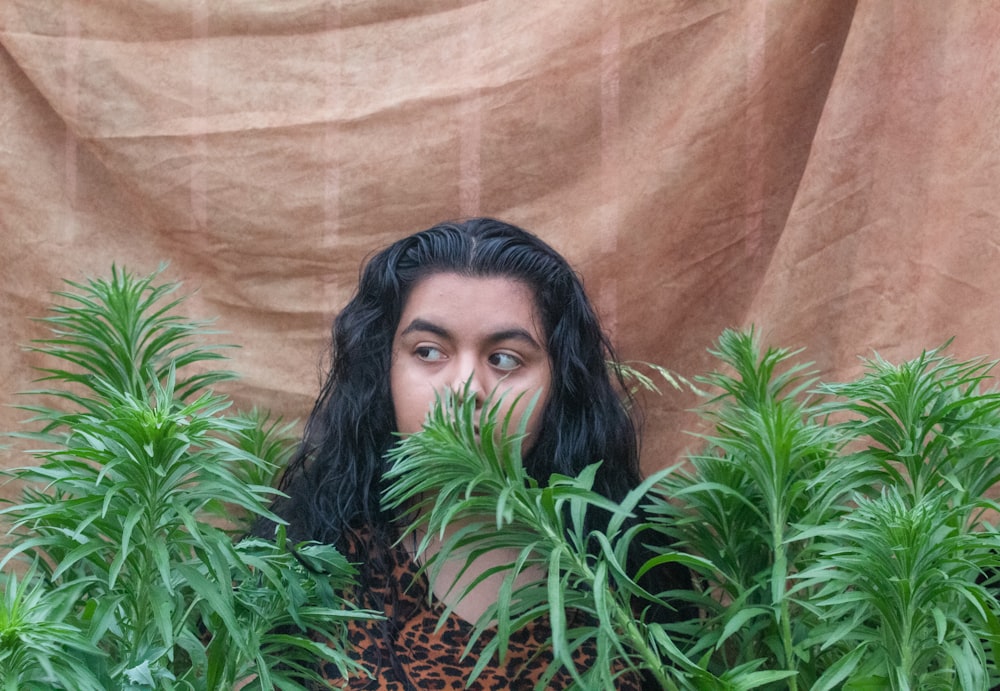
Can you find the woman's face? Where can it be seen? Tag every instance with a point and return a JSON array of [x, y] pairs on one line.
[[456, 329]]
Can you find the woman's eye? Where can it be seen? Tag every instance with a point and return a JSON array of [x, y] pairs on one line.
[[504, 361], [428, 354]]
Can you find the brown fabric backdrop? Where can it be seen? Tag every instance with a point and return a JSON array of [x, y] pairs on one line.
[[826, 170]]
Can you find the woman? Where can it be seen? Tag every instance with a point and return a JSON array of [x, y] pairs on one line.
[[479, 302]]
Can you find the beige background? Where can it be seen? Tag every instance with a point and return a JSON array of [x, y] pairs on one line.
[[826, 170]]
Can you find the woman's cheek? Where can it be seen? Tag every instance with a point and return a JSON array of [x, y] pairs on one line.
[[412, 399]]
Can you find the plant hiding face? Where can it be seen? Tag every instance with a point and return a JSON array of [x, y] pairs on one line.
[[137, 578], [839, 535]]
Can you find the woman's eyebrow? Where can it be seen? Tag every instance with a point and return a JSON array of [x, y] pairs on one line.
[[419, 324], [514, 334]]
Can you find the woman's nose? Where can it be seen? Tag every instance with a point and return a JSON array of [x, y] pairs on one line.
[[467, 375]]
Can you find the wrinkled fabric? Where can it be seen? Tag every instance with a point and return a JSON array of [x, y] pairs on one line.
[[824, 170]]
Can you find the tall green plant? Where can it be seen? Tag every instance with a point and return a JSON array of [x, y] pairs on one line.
[[838, 533], [933, 428], [468, 464], [845, 521], [918, 551], [897, 592], [749, 496], [124, 517]]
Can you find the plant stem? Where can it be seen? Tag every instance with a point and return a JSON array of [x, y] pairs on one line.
[[781, 562], [627, 623], [786, 636]]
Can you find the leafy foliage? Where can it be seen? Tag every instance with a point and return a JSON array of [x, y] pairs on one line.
[[134, 574], [839, 534], [449, 470]]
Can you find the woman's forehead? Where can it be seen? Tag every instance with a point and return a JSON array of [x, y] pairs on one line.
[[452, 301]]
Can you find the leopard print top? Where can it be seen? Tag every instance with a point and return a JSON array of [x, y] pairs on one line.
[[428, 658]]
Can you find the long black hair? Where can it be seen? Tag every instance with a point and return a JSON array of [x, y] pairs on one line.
[[334, 481]]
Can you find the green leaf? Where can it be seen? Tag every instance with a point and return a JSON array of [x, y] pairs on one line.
[[135, 452]]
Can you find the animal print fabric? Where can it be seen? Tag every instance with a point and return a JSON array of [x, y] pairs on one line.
[[429, 658]]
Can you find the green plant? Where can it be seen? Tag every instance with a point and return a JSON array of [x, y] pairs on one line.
[[268, 444], [839, 534], [135, 573], [449, 469], [38, 648]]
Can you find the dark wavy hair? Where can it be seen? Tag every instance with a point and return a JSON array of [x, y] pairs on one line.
[[335, 480], [334, 483]]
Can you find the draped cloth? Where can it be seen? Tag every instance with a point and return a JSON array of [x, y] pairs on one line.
[[826, 171]]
